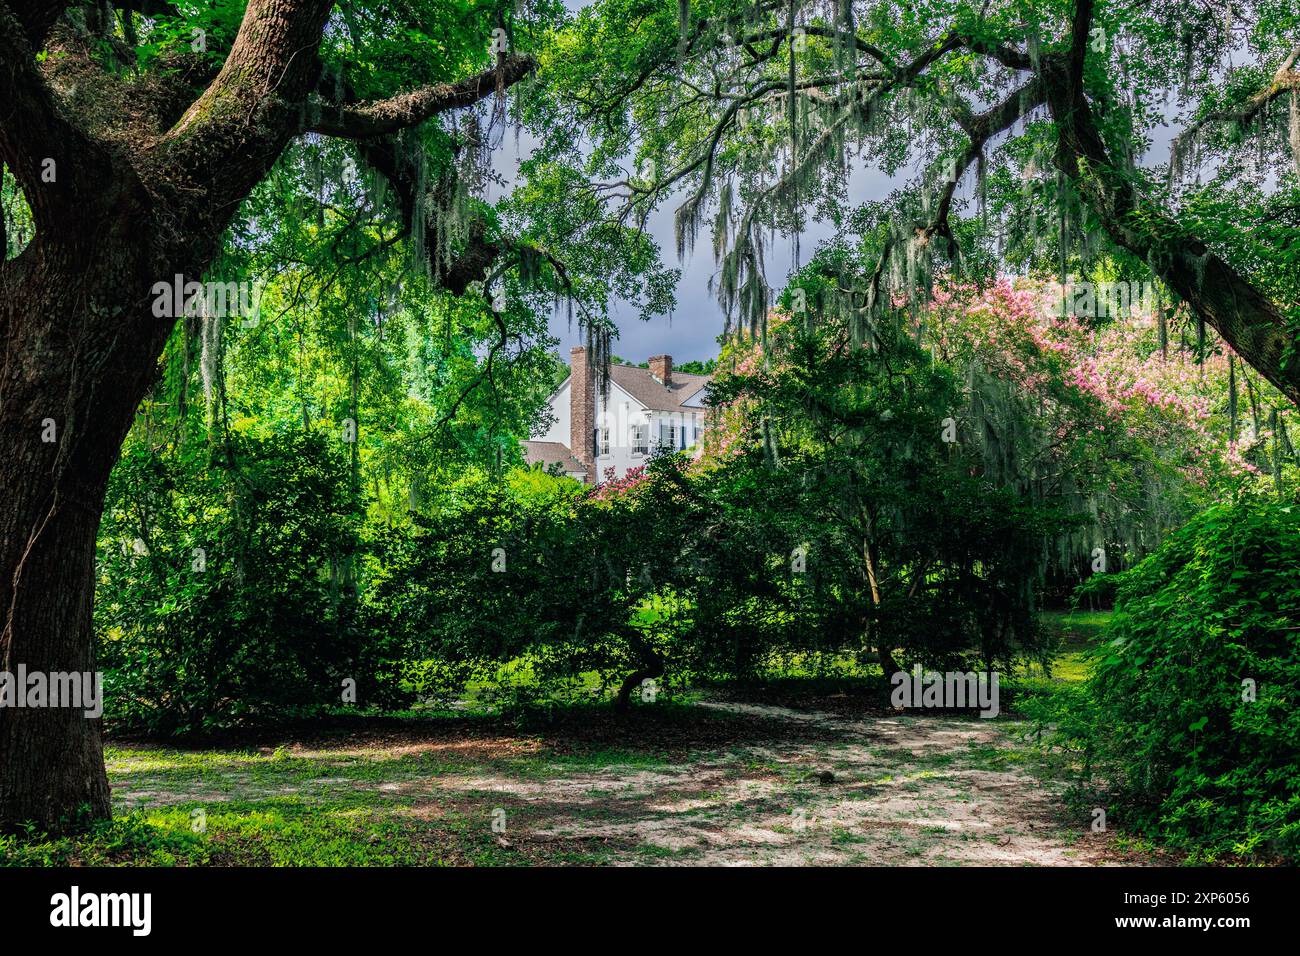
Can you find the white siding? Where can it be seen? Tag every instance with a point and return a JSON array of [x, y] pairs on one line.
[[697, 399], [560, 409], [678, 430], [620, 414]]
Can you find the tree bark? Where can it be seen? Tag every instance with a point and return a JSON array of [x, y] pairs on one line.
[[79, 340], [51, 759], [67, 398], [652, 666]]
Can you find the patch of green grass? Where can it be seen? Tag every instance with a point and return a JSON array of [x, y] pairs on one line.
[[841, 836], [286, 831], [207, 776], [603, 758], [293, 832], [1079, 632], [134, 839], [1086, 625]]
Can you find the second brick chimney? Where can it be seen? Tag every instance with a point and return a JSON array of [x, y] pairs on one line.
[[582, 411], [661, 367]]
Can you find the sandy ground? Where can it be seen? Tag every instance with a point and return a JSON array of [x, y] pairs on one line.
[[900, 791], [828, 790]]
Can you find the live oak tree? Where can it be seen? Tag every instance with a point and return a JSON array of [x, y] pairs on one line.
[[753, 116], [132, 159]]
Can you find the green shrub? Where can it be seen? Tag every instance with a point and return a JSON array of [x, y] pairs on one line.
[[226, 586], [1187, 753], [532, 574]]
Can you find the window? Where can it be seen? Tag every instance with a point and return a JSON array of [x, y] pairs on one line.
[[640, 439], [604, 441]]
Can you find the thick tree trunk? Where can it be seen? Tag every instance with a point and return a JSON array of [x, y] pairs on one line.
[[79, 343], [51, 759], [80, 352], [79, 349]]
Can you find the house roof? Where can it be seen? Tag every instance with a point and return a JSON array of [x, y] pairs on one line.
[[547, 453], [650, 392]]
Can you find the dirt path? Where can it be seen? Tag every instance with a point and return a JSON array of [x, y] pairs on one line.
[[748, 784], [901, 790]]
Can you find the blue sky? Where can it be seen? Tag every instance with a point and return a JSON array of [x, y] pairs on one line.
[[691, 332]]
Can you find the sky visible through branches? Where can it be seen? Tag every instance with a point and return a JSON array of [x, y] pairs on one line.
[[692, 331]]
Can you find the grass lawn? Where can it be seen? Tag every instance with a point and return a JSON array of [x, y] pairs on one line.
[[801, 773], [1079, 631]]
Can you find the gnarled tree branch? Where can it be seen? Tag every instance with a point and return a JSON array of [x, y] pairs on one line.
[[1286, 79], [59, 168], [363, 120], [1246, 318]]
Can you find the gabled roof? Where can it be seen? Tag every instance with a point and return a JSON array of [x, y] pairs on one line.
[[547, 453], [700, 392], [650, 392]]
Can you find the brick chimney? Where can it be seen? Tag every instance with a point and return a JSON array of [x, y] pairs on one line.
[[661, 367], [582, 411]]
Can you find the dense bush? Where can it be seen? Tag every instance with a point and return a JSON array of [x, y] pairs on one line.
[[1195, 698], [902, 542], [227, 585], [533, 573]]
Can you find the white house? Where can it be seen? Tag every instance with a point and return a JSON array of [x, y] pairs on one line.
[[643, 409]]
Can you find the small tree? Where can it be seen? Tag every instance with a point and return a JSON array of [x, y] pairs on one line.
[[896, 541]]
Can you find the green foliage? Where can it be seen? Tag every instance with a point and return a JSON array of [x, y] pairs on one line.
[[16, 227], [529, 573], [127, 840], [434, 589], [892, 537], [1191, 751], [225, 586]]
